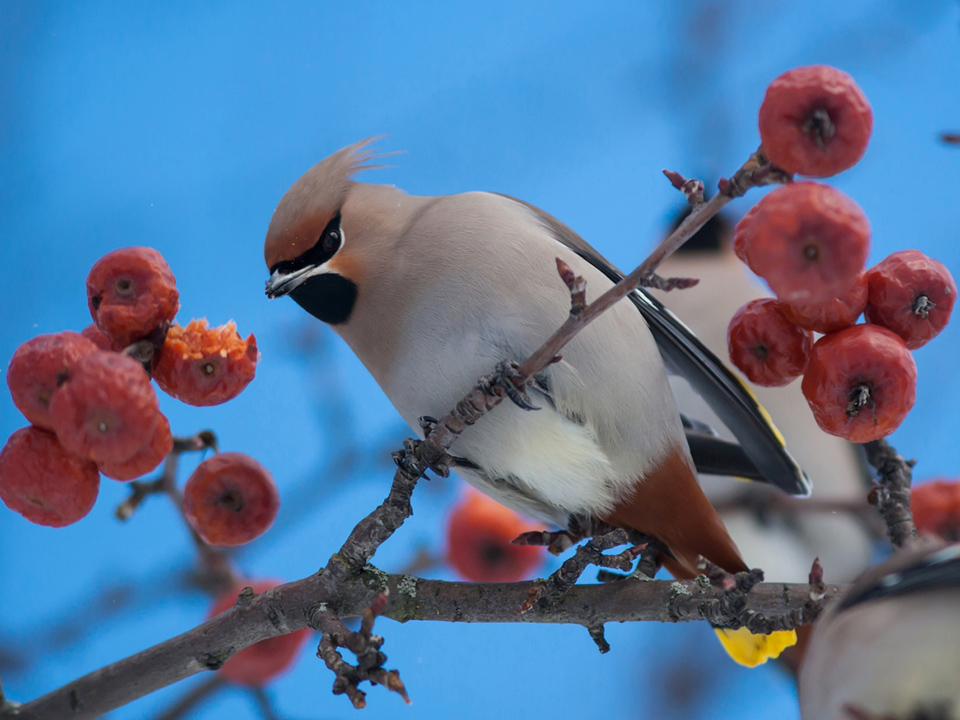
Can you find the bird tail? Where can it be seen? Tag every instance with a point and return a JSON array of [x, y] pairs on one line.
[[669, 505]]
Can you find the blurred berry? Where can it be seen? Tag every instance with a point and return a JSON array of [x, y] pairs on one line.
[[230, 499], [38, 367], [815, 121], [479, 535], [148, 457], [260, 663], [44, 482], [911, 294], [106, 409], [861, 382], [807, 240], [200, 365], [936, 508], [769, 349], [832, 314], [130, 293]]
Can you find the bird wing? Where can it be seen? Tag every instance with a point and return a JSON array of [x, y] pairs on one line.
[[937, 570], [729, 398]]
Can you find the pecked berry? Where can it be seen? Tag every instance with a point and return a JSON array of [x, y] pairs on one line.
[[807, 240], [911, 294], [230, 499], [861, 382], [259, 663], [44, 482], [106, 408], [815, 121], [769, 349], [92, 333], [479, 535], [200, 365], [936, 508], [131, 292], [832, 314], [146, 458], [38, 367]]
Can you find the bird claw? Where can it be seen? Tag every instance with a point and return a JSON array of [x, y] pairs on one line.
[[503, 377]]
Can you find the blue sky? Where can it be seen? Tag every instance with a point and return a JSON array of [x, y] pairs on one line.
[[179, 125]]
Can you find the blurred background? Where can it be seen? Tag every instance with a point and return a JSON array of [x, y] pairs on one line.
[[179, 125]]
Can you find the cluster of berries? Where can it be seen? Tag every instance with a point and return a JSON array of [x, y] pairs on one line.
[[810, 243], [91, 404]]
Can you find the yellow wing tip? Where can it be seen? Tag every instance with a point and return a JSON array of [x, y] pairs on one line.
[[750, 650]]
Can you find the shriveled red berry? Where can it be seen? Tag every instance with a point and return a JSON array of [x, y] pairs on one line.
[[106, 409], [200, 365], [911, 294], [230, 499], [832, 314], [44, 482], [92, 333], [936, 508], [769, 349], [815, 121], [741, 235], [131, 292], [260, 663], [807, 240], [479, 535], [147, 457], [861, 382], [38, 367]]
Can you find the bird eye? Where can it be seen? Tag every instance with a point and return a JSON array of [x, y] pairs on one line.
[[331, 241]]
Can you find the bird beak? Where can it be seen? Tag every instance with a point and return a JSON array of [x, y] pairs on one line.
[[281, 284]]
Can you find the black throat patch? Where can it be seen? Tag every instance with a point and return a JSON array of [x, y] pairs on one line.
[[328, 297]]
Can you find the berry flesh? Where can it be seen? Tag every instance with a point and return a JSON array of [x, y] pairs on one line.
[[769, 349], [106, 409], [44, 482], [832, 314], [479, 535], [230, 499], [807, 240], [861, 382], [131, 292], [815, 121], [936, 508], [258, 664], [200, 365], [38, 367], [911, 294], [146, 458]]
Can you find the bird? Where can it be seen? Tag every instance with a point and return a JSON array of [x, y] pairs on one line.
[[431, 293], [783, 543], [890, 646]]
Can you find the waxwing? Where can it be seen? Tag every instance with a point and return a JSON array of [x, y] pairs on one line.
[[890, 646], [431, 293]]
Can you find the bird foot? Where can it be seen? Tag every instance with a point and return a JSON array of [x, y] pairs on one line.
[[508, 380]]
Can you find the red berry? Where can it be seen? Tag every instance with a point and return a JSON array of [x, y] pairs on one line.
[[861, 382], [815, 121], [131, 292], [479, 535], [38, 367], [769, 349], [44, 482], [741, 235], [936, 508], [106, 409], [261, 662], [911, 294], [92, 333], [807, 240], [147, 457], [230, 499], [830, 315], [205, 366]]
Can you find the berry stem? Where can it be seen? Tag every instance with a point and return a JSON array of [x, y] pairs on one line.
[[820, 127]]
